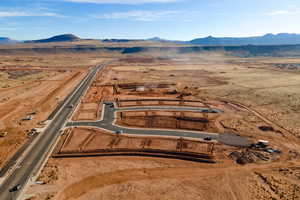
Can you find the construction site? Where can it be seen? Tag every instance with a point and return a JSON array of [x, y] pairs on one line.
[[176, 126], [81, 142]]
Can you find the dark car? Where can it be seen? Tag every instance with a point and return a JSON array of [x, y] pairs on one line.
[[210, 111], [119, 132], [205, 111], [207, 138], [214, 111], [15, 188]]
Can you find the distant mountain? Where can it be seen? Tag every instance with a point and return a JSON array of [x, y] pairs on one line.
[[57, 38], [154, 39], [157, 39], [119, 40], [268, 39], [5, 40]]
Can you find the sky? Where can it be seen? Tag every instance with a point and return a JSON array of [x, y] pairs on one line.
[[140, 19]]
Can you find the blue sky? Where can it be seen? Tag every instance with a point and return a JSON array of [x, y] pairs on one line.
[[135, 19]]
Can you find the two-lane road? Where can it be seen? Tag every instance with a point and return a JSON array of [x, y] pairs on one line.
[[109, 123], [41, 149]]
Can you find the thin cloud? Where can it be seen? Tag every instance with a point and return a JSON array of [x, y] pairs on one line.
[[139, 15], [282, 12], [5, 14], [122, 1]]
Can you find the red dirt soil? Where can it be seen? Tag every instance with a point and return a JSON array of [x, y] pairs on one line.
[[81, 140], [41, 96], [157, 178]]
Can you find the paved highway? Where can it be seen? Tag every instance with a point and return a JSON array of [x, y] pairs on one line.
[[40, 150], [108, 123]]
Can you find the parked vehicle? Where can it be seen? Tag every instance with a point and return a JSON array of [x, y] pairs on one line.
[[208, 138]]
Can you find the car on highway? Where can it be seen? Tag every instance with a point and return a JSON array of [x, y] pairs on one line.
[[210, 111], [207, 138], [119, 132], [71, 106], [15, 188], [109, 104]]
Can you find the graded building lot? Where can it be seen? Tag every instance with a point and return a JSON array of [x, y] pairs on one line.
[[85, 141], [251, 96], [170, 119]]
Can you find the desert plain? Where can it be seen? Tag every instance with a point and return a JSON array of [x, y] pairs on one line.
[[259, 97]]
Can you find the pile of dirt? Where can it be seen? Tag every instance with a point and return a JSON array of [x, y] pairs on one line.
[[248, 156]]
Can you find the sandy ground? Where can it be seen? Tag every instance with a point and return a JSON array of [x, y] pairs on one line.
[[149, 178], [41, 97], [264, 87], [170, 120], [81, 140], [252, 93], [26, 92]]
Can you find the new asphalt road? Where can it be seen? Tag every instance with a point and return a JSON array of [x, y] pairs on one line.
[[41, 148], [108, 123]]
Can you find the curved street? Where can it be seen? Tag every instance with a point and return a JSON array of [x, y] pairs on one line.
[[109, 117]]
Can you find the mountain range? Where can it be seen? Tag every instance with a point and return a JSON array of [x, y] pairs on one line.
[[268, 39], [57, 38], [5, 40]]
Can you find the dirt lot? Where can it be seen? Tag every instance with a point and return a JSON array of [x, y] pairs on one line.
[[85, 140], [171, 120], [253, 94], [33, 84], [153, 178]]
